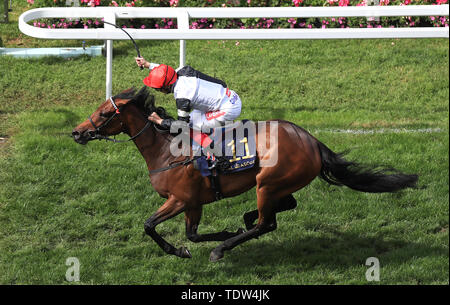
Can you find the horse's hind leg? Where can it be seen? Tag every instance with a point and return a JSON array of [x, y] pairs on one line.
[[285, 203], [266, 223], [192, 218]]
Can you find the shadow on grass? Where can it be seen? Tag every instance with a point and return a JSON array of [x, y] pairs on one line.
[[51, 60], [61, 125], [333, 251], [48, 122], [276, 113], [269, 112]]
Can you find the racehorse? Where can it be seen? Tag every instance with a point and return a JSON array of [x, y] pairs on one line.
[[301, 158]]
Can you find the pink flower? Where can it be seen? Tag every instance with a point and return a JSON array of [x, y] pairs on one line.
[[384, 2], [30, 1], [114, 3], [406, 2], [344, 2], [297, 2], [439, 2]]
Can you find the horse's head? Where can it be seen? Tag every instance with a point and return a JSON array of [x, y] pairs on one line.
[[106, 120]]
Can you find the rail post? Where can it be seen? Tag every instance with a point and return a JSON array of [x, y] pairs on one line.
[[111, 18], [183, 24]]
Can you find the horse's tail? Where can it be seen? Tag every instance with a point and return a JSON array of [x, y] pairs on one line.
[[338, 171]]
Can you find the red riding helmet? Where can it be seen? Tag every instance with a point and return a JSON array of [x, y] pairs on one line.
[[161, 77]]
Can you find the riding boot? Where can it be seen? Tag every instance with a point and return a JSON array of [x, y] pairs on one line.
[[220, 163]]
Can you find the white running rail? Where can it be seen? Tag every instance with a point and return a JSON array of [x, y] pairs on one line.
[[183, 32]]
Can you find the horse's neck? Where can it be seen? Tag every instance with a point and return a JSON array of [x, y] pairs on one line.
[[151, 144]]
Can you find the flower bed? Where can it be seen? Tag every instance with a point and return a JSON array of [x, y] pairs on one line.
[[252, 23]]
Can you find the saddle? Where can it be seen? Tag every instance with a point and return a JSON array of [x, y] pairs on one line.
[[226, 150]]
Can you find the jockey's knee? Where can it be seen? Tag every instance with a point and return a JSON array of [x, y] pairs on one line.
[[208, 125]]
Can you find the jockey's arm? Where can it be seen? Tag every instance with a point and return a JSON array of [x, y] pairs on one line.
[[183, 109], [141, 62]]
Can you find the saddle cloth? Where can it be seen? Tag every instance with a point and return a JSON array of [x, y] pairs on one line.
[[235, 143]]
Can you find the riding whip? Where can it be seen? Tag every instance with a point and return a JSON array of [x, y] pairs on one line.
[[132, 40]]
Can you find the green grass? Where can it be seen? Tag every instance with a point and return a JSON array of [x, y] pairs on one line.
[[59, 199]]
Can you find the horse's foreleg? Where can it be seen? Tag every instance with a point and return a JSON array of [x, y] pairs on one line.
[[169, 209], [192, 217]]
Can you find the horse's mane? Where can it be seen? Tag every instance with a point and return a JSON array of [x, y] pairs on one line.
[[144, 101]]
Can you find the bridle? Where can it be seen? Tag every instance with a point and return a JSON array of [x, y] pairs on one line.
[[98, 136]]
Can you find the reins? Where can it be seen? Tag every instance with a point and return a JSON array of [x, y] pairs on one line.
[[100, 137], [173, 165]]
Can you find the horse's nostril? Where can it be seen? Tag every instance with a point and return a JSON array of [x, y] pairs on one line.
[[75, 134], [91, 134]]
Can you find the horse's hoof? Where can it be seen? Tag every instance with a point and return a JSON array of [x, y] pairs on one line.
[[240, 231], [249, 226], [183, 252], [215, 256]]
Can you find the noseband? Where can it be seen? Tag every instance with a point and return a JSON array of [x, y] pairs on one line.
[[97, 134]]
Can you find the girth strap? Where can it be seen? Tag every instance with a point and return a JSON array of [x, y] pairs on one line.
[[215, 184]]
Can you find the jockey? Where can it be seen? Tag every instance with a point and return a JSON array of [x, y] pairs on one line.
[[202, 101]]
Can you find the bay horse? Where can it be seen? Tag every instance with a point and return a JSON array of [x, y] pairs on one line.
[[301, 158]]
